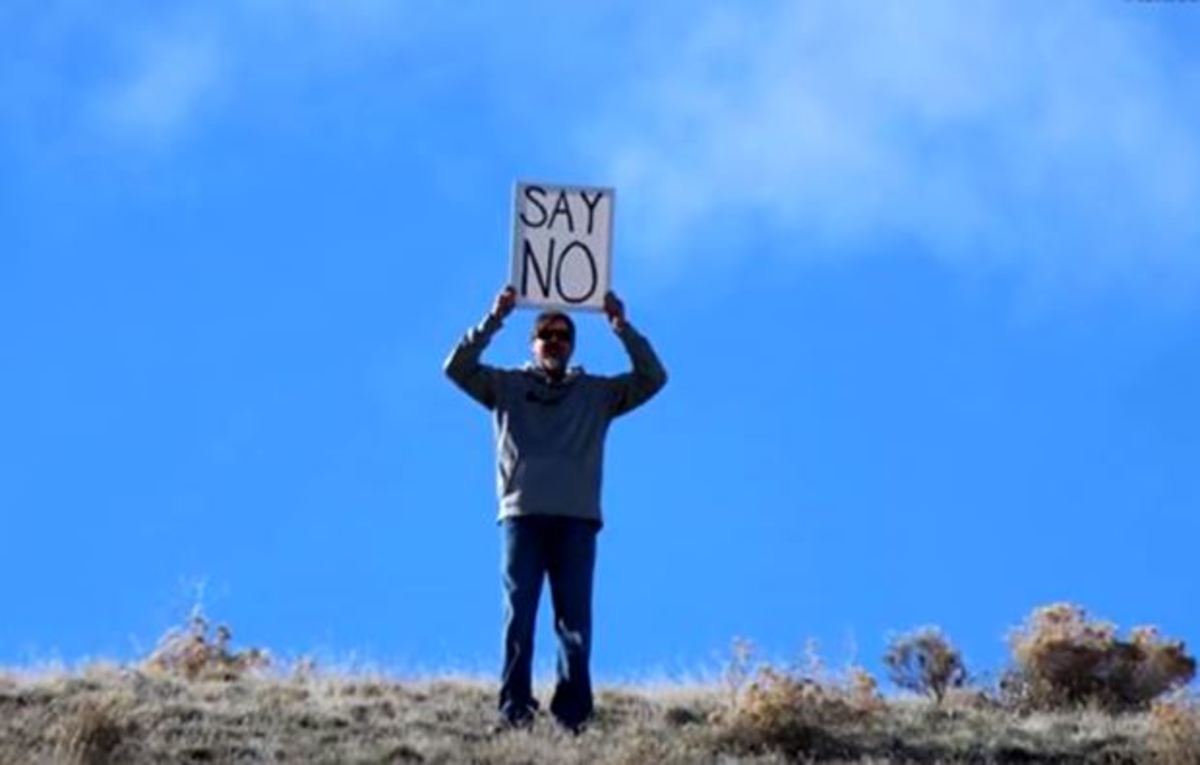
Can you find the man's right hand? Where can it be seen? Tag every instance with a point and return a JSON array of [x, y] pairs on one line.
[[505, 302]]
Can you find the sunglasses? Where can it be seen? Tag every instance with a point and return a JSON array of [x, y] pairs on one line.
[[561, 335]]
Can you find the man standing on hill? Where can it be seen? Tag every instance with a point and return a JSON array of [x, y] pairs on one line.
[[550, 425]]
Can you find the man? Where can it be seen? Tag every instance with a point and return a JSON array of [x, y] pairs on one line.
[[550, 424]]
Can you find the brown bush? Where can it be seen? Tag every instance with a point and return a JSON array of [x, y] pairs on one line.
[[791, 711], [1063, 659], [793, 714], [924, 661], [190, 653]]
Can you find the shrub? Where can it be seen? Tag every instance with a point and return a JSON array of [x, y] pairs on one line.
[[190, 653], [924, 661], [1063, 659]]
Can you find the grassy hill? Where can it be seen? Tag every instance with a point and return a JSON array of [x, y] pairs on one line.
[[109, 714], [1078, 694]]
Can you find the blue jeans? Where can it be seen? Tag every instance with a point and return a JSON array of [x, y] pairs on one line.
[[564, 549]]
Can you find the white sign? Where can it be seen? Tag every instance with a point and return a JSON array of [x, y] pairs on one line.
[[562, 245]]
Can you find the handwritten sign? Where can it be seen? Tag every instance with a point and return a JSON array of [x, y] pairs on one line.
[[562, 245]]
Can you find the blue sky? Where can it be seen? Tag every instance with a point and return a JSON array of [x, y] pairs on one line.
[[925, 277]]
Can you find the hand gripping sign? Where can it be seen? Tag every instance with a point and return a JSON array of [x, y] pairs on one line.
[[562, 245]]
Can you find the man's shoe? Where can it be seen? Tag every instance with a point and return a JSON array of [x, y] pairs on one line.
[[520, 722], [574, 728]]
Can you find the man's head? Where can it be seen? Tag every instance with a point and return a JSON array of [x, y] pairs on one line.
[[553, 341]]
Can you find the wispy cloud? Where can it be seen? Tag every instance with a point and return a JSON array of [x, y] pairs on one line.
[[156, 73], [1054, 136], [171, 80]]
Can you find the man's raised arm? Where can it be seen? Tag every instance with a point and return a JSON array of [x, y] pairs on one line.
[[635, 388], [481, 382]]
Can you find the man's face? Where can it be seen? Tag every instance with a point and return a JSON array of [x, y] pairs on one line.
[[552, 346]]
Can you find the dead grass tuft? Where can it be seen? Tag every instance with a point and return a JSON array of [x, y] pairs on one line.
[[1174, 735], [90, 732], [192, 653]]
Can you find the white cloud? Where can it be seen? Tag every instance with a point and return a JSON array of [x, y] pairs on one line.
[[1058, 136]]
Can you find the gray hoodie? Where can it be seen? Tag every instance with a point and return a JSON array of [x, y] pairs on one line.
[[550, 435]]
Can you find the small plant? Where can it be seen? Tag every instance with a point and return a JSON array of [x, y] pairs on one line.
[[862, 689], [1064, 659], [191, 653], [737, 672], [924, 661]]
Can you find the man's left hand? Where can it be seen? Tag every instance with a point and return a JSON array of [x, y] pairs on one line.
[[615, 310]]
